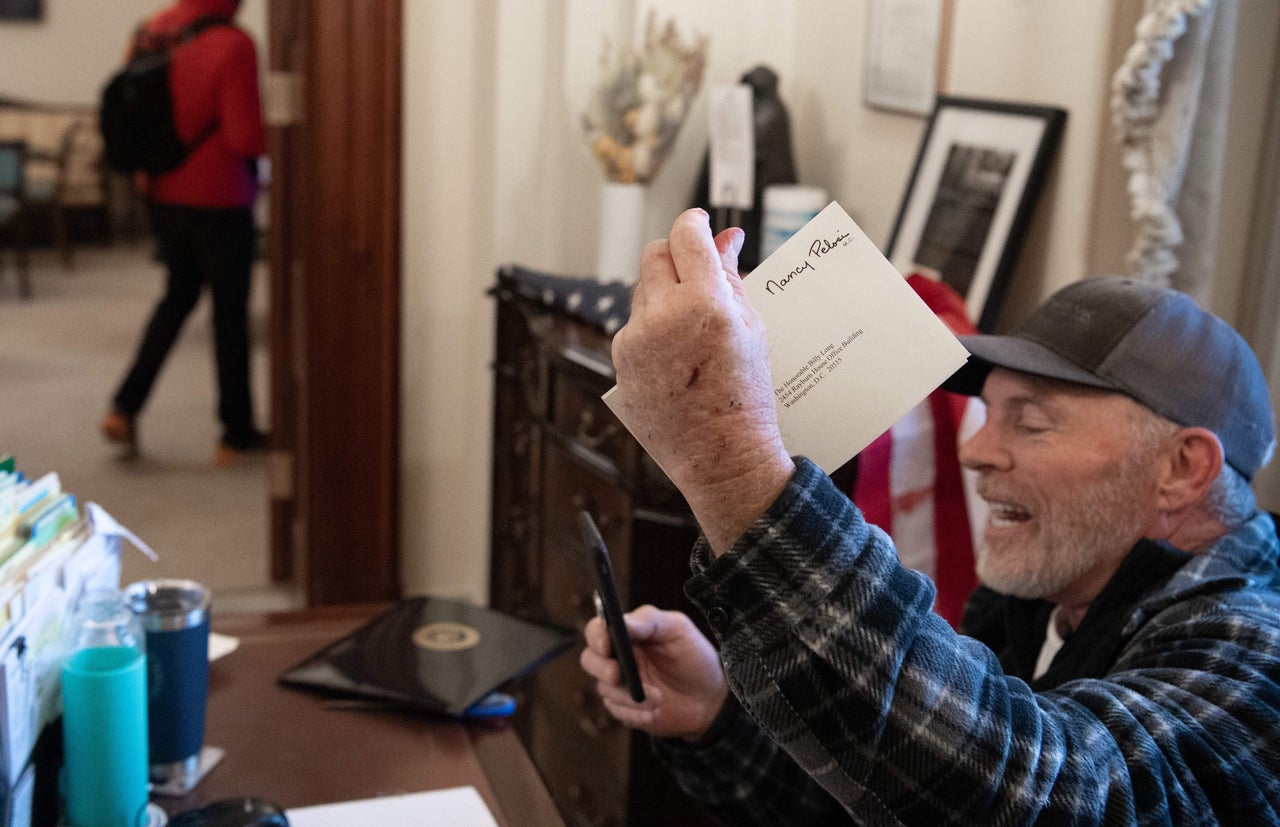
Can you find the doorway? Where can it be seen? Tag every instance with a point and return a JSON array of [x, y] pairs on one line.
[[333, 107]]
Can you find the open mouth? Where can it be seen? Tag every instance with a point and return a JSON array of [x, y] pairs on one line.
[[1003, 515]]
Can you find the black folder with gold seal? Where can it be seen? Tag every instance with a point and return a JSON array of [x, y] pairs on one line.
[[430, 653]]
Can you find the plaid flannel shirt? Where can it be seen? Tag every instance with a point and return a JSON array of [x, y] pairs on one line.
[[859, 704]]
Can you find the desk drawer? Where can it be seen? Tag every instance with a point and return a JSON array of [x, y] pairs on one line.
[[578, 413], [569, 695], [588, 791], [566, 583]]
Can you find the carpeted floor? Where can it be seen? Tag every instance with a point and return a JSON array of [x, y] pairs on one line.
[[61, 355]]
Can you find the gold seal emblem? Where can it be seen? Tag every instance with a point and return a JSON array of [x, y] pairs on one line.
[[445, 637]]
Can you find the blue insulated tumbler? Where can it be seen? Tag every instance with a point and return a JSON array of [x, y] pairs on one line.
[[175, 619]]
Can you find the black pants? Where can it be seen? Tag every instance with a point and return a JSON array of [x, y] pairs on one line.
[[201, 246]]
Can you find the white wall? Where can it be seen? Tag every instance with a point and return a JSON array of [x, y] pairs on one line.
[[67, 56], [451, 244], [497, 171]]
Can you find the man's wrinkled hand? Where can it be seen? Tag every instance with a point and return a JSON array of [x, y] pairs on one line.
[[684, 683], [693, 367]]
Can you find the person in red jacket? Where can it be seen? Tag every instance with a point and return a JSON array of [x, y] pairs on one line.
[[201, 216]]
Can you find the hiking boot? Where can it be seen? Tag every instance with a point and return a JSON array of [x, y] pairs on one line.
[[232, 449], [122, 429]]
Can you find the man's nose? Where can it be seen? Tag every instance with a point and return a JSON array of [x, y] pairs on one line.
[[985, 451]]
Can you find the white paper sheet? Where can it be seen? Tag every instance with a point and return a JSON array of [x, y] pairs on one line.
[[902, 54], [456, 807], [221, 645], [852, 347], [732, 150]]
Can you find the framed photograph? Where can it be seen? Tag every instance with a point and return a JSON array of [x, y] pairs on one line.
[[969, 200], [906, 54], [21, 10]]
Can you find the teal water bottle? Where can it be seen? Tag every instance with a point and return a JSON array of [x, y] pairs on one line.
[[104, 718]]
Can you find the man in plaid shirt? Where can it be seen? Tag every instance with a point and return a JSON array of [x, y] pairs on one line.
[[1124, 663]]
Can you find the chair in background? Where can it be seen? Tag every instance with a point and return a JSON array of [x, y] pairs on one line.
[[47, 185], [64, 179], [13, 217]]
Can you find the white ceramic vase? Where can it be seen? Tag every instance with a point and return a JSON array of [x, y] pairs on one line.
[[621, 239]]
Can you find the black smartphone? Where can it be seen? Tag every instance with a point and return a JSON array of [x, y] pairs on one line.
[[607, 605]]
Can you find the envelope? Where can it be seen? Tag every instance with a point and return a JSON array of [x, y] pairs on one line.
[[852, 348]]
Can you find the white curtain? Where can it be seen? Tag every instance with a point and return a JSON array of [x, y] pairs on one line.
[[1169, 105], [1260, 306], [1170, 101]]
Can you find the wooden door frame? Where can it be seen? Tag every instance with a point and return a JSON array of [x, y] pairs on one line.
[[335, 298]]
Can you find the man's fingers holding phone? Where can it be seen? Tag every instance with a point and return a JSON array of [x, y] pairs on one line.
[[597, 660]]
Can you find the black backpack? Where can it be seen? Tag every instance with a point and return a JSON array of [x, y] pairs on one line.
[[136, 112]]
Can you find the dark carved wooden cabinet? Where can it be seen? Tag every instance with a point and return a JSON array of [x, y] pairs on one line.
[[556, 450]]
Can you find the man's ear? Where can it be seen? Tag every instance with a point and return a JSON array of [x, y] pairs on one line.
[[1191, 464]]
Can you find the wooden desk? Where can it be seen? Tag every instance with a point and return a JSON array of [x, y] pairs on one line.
[[296, 749]]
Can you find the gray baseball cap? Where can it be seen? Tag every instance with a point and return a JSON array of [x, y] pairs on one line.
[[1151, 343]]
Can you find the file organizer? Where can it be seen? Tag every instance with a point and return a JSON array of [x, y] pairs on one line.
[[51, 552]]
